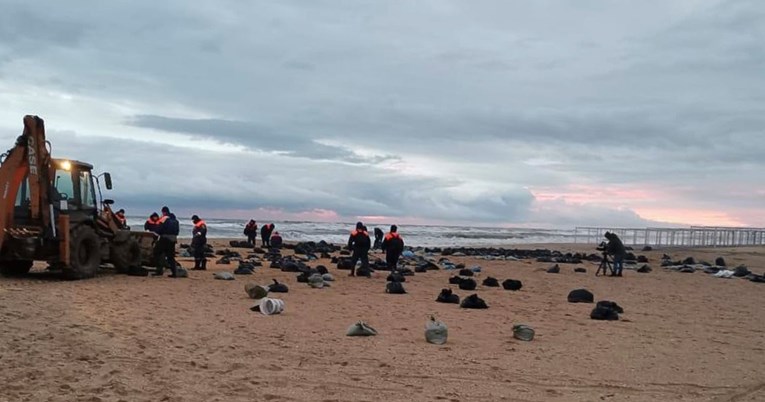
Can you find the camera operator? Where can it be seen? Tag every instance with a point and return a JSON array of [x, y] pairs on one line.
[[615, 247]]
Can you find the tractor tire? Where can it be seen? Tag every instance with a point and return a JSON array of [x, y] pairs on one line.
[[15, 267], [84, 254], [125, 255]]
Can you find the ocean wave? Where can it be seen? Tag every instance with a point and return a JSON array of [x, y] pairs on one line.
[[414, 235]]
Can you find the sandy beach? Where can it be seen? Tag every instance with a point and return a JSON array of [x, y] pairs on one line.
[[683, 337]]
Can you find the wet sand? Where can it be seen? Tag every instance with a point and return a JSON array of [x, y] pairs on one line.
[[683, 337]]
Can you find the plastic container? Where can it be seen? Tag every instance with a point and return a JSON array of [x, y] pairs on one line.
[[270, 306], [436, 331]]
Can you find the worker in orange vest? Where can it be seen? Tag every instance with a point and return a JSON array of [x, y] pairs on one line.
[[275, 241], [393, 245], [152, 223], [164, 248], [199, 242], [251, 231], [120, 215], [359, 243], [265, 234]]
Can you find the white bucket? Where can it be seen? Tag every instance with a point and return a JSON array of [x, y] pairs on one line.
[[270, 306]]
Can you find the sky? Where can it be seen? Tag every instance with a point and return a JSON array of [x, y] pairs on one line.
[[488, 112]]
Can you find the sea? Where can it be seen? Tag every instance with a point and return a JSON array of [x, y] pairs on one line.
[[414, 235]]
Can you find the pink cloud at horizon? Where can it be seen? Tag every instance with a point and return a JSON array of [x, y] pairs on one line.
[[643, 201], [698, 217]]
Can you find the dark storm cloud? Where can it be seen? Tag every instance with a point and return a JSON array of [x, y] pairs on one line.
[[442, 109], [251, 136], [223, 181]]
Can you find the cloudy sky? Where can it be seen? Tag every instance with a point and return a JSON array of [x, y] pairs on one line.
[[543, 113]]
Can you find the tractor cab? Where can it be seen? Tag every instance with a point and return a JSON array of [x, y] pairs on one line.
[[74, 194], [74, 190]]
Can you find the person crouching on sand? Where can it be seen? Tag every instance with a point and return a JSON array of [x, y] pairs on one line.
[[276, 240], [393, 245], [359, 242]]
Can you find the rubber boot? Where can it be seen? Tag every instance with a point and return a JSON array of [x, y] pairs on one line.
[[203, 267]]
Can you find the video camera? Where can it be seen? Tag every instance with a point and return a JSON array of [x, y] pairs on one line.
[[603, 248]]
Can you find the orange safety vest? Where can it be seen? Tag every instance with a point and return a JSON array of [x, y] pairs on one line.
[[121, 218], [391, 235], [162, 219], [200, 224]]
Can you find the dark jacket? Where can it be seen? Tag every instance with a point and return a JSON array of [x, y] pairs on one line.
[[199, 233], [250, 230], [393, 244], [359, 241], [169, 228], [276, 240], [151, 226], [615, 245], [265, 231]]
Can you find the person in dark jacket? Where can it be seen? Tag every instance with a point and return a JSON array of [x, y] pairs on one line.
[[276, 240], [199, 242], [359, 243], [616, 248], [120, 215], [251, 231], [378, 239], [393, 245], [265, 234], [164, 248], [152, 224]]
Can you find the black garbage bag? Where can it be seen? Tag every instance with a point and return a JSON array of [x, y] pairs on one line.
[[396, 288], [581, 296], [474, 302], [277, 287], [468, 284], [512, 284], [446, 296], [491, 282]]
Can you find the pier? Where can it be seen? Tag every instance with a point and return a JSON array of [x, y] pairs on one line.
[[694, 236]]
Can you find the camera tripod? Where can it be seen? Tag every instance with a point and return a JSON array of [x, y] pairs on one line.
[[605, 266]]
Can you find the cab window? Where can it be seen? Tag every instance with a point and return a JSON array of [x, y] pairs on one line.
[[87, 192], [64, 184]]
